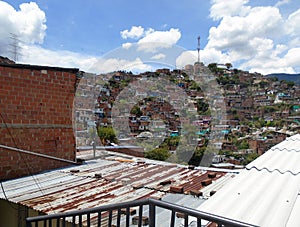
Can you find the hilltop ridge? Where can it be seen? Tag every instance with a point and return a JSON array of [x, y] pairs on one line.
[[286, 76]]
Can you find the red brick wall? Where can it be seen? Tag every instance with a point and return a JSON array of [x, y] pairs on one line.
[[36, 115]]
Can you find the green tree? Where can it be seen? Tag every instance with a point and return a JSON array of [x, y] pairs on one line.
[[263, 84], [243, 144], [106, 135], [194, 86], [249, 158], [213, 67], [172, 141], [136, 111], [223, 80], [235, 79], [228, 65], [160, 153], [197, 156], [273, 79], [290, 84], [202, 106], [235, 71]]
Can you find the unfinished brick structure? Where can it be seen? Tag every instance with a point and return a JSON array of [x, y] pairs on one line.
[[36, 109]]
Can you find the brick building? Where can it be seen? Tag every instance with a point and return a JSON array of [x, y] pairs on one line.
[[36, 104]]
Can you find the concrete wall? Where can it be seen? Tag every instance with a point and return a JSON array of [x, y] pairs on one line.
[[14, 215]]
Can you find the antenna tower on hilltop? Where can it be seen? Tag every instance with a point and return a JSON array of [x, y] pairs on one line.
[[198, 49]]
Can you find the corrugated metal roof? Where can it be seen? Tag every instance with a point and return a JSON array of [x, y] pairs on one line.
[[284, 157], [294, 217], [216, 185], [101, 181], [267, 192]]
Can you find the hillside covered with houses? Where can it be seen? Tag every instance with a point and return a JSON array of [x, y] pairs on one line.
[[261, 111]]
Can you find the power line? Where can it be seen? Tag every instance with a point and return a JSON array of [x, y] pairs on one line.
[[25, 161]]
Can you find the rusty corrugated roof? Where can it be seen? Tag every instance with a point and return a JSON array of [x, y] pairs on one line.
[[99, 182]]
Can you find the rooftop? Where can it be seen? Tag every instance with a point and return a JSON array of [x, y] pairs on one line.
[[113, 180], [5, 62], [267, 192]]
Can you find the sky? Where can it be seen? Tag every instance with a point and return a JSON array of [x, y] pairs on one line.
[[103, 35]]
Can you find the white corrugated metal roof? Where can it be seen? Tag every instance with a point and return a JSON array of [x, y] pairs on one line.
[[284, 157], [266, 193], [294, 217]]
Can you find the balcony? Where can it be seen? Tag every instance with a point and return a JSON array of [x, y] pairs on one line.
[[145, 212]]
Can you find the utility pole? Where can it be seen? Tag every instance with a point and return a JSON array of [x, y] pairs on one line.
[[94, 141]]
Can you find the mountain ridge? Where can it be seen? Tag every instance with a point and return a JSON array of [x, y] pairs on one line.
[[286, 76]]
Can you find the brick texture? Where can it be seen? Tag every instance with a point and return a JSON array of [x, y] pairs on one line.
[[36, 105]]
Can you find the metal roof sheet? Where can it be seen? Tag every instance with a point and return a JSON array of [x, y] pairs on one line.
[[216, 185], [267, 192], [294, 219], [99, 182], [284, 157]]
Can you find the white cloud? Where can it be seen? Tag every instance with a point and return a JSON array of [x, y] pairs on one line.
[[39, 56], [30, 22], [274, 63], [158, 56], [292, 23], [209, 55], [282, 2], [127, 45], [294, 42], [114, 64], [221, 8], [27, 24], [292, 57], [149, 31], [33, 54], [169, 37], [234, 33], [154, 40], [251, 38], [186, 58], [256, 39], [164, 26], [268, 67], [135, 32], [264, 21], [151, 40]]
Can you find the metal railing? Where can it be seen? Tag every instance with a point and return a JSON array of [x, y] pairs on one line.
[[143, 213]]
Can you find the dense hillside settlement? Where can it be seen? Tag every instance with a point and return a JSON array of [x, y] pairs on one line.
[[257, 112]]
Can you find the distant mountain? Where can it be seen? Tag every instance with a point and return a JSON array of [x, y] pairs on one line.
[[286, 76]]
